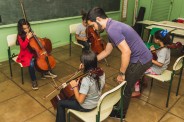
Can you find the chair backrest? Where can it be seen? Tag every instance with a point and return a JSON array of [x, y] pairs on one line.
[[11, 39], [73, 28], [178, 63], [108, 100], [153, 30]]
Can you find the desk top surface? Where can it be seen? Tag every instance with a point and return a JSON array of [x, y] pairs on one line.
[[146, 22], [178, 32], [170, 24], [163, 27]]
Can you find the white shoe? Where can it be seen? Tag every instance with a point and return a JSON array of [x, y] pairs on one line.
[[49, 75]]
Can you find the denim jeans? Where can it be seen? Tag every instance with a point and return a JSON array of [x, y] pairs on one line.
[[32, 70], [71, 104], [85, 44]]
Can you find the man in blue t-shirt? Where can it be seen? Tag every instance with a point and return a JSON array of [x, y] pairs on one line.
[[135, 56]]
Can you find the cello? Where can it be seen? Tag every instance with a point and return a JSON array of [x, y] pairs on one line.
[[97, 44], [42, 47], [44, 60], [66, 91]]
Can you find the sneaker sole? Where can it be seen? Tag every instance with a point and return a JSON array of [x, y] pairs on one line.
[[50, 76], [35, 88]]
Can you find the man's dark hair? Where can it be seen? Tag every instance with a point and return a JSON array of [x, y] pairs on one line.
[[96, 12]]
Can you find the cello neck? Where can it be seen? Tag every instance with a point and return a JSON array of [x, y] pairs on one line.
[[36, 38]]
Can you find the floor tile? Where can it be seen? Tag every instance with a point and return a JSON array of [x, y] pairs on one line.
[[19, 109], [9, 90], [178, 108], [171, 118], [19, 103], [45, 116]]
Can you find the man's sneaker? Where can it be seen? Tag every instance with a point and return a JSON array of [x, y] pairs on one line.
[[34, 85], [136, 94], [49, 75], [119, 117], [114, 114]]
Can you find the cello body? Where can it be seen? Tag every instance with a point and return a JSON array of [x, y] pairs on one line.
[[43, 48], [97, 44], [65, 93]]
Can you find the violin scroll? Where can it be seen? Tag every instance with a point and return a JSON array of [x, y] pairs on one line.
[[97, 71]]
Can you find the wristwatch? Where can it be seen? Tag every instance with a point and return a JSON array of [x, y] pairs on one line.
[[121, 73]]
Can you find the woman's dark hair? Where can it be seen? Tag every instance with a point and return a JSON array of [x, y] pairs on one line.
[[20, 30], [163, 36], [89, 60], [94, 13]]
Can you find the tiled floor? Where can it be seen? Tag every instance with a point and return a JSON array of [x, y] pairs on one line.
[[19, 103]]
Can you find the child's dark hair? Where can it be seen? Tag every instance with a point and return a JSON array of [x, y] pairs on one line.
[[84, 14], [89, 60], [20, 30], [96, 12], [163, 36]]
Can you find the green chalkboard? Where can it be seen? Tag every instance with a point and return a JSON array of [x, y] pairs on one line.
[[36, 10]]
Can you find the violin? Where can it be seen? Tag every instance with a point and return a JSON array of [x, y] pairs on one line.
[[66, 91], [170, 46], [97, 44]]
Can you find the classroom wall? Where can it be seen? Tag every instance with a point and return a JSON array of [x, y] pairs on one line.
[[57, 30], [147, 4], [182, 8], [130, 12], [177, 9]]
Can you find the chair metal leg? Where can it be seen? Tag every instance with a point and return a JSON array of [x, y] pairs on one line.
[[10, 68], [151, 82], [98, 117], [70, 45], [149, 39], [178, 87], [121, 105], [169, 91], [22, 75], [68, 116]]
